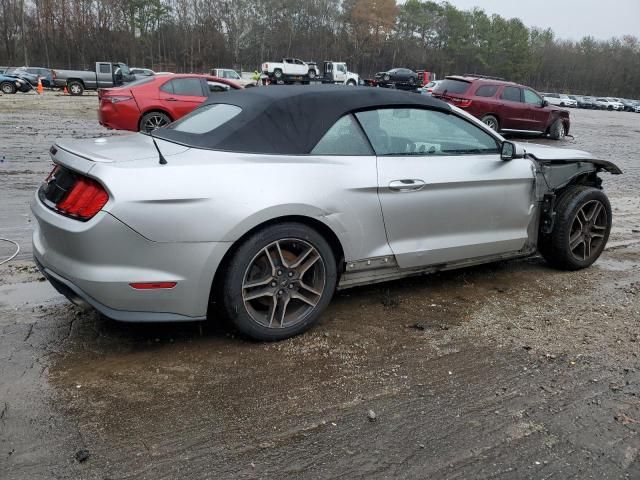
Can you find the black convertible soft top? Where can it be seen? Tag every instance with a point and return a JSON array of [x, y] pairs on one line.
[[290, 119]]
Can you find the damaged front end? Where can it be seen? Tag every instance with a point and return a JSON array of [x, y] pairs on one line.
[[556, 169]]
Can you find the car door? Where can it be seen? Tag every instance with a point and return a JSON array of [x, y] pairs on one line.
[[181, 95], [536, 113], [300, 68], [446, 195], [512, 110], [104, 75]]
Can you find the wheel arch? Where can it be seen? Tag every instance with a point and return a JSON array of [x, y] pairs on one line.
[[79, 80]]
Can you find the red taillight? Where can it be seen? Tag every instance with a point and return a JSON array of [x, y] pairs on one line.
[[119, 98], [84, 200], [460, 102], [152, 285]]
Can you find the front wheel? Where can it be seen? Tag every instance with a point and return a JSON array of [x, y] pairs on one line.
[[277, 73], [8, 88], [351, 83], [581, 230], [557, 130], [312, 74], [279, 281]]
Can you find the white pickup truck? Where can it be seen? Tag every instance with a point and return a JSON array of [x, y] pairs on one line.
[[288, 71]]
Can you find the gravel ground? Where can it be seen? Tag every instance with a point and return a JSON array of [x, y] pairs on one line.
[[510, 370]]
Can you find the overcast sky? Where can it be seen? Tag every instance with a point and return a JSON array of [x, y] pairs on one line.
[[570, 19]]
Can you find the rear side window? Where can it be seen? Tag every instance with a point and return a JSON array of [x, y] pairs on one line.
[[452, 86], [105, 68], [344, 138], [188, 87], [486, 91], [512, 94], [206, 118]]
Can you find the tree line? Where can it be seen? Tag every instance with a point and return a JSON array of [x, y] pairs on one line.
[[370, 35]]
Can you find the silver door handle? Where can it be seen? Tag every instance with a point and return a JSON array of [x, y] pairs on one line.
[[406, 185]]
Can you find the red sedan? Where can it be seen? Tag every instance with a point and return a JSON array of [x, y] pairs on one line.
[[152, 102]]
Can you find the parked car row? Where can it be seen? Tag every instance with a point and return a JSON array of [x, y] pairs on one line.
[[596, 103]]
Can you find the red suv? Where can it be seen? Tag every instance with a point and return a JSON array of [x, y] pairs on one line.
[[155, 101], [504, 106]]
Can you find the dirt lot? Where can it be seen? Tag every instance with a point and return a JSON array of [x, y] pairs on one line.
[[511, 370]]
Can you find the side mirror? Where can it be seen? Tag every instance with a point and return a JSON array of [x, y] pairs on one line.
[[544, 104], [511, 150]]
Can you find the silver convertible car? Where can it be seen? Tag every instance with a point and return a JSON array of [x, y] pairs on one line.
[[260, 203]]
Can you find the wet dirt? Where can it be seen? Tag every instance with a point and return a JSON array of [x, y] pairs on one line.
[[509, 370]]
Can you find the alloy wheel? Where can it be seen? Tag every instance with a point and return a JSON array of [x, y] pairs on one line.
[[154, 122], [6, 88], [588, 229], [75, 88], [283, 283], [491, 123]]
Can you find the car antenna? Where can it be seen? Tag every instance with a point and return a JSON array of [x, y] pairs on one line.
[[163, 161]]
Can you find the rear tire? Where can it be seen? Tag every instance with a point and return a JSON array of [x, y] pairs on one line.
[[557, 130], [491, 122], [8, 88], [260, 294], [312, 74], [277, 73], [75, 88], [581, 230], [154, 120]]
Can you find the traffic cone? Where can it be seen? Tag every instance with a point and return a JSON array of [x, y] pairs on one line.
[[65, 91], [40, 89]]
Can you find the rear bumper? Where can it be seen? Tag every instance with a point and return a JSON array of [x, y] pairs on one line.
[[95, 262], [119, 116], [77, 296]]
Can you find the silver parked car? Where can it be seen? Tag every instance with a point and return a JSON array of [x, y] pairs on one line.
[[263, 202]]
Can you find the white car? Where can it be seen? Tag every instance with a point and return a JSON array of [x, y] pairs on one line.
[[232, 75], [430, 87], [560, 99], [609, 104], [617, 104], [141, 72]]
